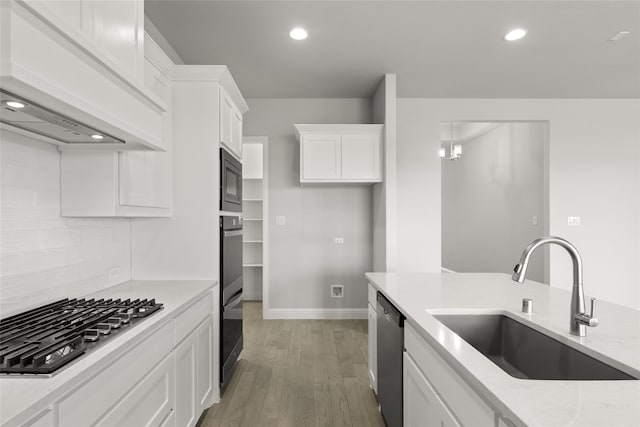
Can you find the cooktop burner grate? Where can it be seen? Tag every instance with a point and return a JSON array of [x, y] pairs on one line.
[[44, 339]]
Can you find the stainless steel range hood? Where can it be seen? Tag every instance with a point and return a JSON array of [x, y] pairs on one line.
[[27, 115]]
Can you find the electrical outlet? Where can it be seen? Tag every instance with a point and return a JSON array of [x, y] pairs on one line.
[[573, 221], [337, 291], [280, 220], [338, 240], [534, 220], [113, 273]]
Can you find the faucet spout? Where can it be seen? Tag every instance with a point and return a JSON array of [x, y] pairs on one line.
[[579, 319]]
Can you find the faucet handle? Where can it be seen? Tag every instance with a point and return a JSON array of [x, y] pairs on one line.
[[593, 307]]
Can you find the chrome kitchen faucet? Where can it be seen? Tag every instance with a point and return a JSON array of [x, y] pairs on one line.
[[579, 319]]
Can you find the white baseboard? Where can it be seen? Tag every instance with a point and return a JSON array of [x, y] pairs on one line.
[[316, 313]]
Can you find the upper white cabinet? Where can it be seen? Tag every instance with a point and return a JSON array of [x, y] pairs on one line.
[[118, 33], [230, 124], [127, 183], [340, 153], [83, 59]]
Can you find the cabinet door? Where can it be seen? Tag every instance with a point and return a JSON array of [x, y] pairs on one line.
[[148, 403], [185, 382], [226, 112], [361, 157], [204, 365], [320, 157], [118, 32], [145, 179], [373, 349], [236, 132], [421, 405]]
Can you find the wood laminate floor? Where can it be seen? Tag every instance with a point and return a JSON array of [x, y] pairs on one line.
[[298, 373]]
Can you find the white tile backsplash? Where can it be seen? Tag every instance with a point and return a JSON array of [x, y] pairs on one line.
[[44, 257]]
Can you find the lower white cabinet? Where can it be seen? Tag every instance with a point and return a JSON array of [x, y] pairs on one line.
[[167, 379], [373, 349], [149, 403], [421, 405], [194, 382], [432, 389]]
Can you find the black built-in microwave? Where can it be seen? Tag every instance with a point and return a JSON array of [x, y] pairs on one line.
[[230, 182]]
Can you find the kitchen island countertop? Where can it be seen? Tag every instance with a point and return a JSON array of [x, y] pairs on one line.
[[24, 397], [616, 341]]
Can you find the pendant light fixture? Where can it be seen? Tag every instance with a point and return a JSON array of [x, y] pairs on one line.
[[455, 151]]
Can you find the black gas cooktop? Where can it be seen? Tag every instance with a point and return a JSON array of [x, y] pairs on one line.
[[42, 340]]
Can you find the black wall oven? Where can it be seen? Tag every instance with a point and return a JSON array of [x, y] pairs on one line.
[[230, 182], [230, 295]]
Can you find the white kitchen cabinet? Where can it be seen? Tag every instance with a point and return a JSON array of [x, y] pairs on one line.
[[118, 33], [340, 153], [360, 157], [185, 382], [230, 124], [126, 184], [87, 404], [421, 405], [373, 351], [455, 396], [149, 403], [113, 31], [320, 158], [372, 334], [83, 59]]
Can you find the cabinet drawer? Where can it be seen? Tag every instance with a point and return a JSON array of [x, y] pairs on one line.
[[468, 407], [149, 403], [193, 316], [89, 402]]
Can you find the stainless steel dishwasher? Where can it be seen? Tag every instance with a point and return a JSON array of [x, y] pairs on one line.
[[390, 324]]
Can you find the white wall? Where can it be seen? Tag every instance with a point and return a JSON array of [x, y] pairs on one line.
[[489, 199], [594, 162], [186, 246], [384, 106], [303, 259], [45, 257]]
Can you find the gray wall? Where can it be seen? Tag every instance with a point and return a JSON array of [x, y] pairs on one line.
[[303, 259], [489, 198], [594, 164]]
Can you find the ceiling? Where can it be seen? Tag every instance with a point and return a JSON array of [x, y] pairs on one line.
[[438, 49]]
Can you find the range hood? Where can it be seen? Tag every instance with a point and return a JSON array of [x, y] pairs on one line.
[[29, 116]]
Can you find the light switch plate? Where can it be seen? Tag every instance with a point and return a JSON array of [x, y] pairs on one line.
[[280, 220]]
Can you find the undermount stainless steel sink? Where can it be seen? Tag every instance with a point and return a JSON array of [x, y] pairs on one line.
[[525, 353]]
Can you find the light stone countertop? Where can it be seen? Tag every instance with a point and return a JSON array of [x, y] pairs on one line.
[[525, 402], [24, 397]]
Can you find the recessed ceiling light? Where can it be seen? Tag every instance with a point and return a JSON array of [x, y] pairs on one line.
[[97, 136], [516, 34], [298, 34], [14, 104], [618, 36]]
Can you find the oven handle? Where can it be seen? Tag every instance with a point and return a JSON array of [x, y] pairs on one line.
[[233, 233], [237, 300]]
